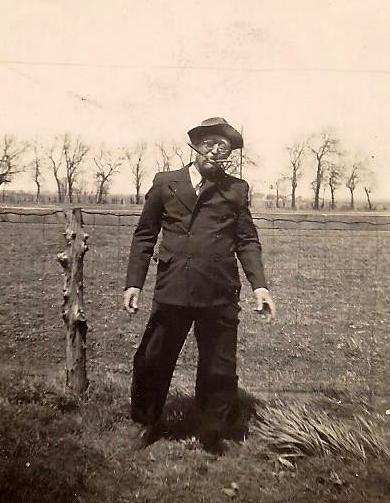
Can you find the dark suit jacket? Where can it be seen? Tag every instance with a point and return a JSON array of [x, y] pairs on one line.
[[201, 237]]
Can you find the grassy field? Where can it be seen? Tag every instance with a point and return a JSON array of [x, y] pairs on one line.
[[328, 351]]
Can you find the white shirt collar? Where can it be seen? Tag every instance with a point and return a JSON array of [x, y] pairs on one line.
[[195, 176]]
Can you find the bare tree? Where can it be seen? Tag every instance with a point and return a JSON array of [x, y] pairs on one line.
[[164, 162], [178, 152], [334, 180], [36, 171], [108, 163], [369, 182], [240, 161], [295, 153], [56, 161], [323, 197], [352, 181], [11, 152], [74, 154], [137, 169], [321, 200], [368, 191], [323, 147], [279, 187]]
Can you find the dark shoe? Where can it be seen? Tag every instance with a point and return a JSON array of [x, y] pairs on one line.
[[212, 442], [237, 433], [147, 435]]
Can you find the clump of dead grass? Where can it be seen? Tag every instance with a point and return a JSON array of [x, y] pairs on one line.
[[295, 430]]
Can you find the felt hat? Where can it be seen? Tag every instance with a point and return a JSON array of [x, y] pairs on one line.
[[216, 125]]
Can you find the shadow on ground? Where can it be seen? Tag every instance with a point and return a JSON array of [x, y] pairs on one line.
[[182, 418]]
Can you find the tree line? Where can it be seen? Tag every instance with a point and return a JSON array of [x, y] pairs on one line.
[[66, 160], [319, 159], [331, 167]]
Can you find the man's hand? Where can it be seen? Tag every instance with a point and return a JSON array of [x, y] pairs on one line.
[[130, 299], [265, 304]]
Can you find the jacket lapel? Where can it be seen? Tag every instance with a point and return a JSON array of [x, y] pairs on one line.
[[183, 189]]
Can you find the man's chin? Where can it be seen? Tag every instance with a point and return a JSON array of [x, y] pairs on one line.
[[211, 170]]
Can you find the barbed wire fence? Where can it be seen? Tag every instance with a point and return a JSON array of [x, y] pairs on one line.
[[329, 275]]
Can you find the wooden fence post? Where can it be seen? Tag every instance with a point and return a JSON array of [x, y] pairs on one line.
[[73, 306]]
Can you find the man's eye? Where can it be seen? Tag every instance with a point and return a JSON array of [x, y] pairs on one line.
[[221, 147]]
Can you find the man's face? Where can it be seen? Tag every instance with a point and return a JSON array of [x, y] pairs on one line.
[[215, 148]]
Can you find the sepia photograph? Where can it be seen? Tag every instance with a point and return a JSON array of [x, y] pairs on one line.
[[194, 251]]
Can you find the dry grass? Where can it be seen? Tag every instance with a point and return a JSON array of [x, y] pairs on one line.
[[57, 447], [296, 430]]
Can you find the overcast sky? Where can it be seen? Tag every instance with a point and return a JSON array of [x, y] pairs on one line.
[[152, 69]]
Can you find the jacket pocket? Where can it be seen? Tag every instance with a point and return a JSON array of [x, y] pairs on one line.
[[165, 256]]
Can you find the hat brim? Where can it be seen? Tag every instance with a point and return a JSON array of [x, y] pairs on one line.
[[225, 130]]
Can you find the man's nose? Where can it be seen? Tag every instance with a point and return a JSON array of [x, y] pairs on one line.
[[215, 148]]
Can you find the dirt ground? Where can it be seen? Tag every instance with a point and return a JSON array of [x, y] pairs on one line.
[[329, 348]]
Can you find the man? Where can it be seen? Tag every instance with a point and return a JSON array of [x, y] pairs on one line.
[[206, 223]]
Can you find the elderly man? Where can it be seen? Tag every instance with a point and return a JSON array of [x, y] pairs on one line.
[[205, 221]]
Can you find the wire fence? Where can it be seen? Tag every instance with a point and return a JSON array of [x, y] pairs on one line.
[[329, 275]]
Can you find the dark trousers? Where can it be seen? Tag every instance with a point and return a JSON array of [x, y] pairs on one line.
[[215, 330]]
